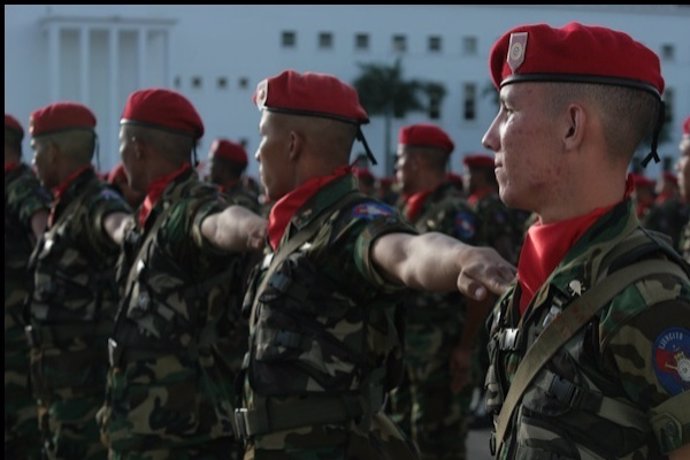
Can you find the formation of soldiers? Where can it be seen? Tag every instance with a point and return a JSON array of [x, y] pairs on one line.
[[157, 314]]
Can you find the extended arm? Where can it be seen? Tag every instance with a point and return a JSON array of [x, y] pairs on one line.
[[235, 229]]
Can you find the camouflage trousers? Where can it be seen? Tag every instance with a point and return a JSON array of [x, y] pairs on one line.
[[69, 430], [438, 418], [21, 422], [383, 441]]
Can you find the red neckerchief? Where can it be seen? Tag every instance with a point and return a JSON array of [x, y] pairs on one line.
[[11, 166], [283, 210], [155, 190], [478, 195], [546, 245], [414, 204], [61, 189]]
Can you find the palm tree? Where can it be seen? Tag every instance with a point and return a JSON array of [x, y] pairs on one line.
[[383, 91]]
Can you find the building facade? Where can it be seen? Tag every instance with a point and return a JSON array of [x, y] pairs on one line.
[[216, 54]]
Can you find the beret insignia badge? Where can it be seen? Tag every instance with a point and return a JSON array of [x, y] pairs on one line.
[[517, 47]]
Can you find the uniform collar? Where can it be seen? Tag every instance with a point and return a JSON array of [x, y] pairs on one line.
[[158, 188]]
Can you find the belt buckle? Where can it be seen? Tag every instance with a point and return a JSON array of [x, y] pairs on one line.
[[240, 425], [112, 352]]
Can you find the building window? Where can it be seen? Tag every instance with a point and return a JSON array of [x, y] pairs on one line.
[[670, 103], [668, 52], [289, 39], [243, 83], [399, 43], [325, 40], [434, 43], [362, 42], [244, 142], [470, 101], [177, 82], [222, 83], [434, 107], [469, 46], [196, 82]]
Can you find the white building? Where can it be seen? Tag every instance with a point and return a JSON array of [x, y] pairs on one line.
[[216, 54]]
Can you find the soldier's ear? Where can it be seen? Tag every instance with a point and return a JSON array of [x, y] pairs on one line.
[[295, 145], [573, 127]]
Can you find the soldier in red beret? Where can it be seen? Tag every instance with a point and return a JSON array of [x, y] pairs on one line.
[[591, 343], [178, 337], [440, 329], [324, 344], [667, 213], [227, 163], [683, 170], [73, 302], [26, 214]]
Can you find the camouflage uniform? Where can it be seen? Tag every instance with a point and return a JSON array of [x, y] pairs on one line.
[[242, 196], [433, 327], [178, 338], [619, 387], [24, 196], [324, 346], [499, 223], [71, 311], [667, 217]]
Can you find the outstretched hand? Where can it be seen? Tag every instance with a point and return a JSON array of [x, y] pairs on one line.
[[484, 270]]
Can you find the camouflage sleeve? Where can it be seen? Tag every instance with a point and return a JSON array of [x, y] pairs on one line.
[[26, 197], [650, 354], [202, 210], [373, 220], [106, 202]]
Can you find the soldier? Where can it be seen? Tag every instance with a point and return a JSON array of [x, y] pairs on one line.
[[227, 163], [365, 180], [177, 338], [26, 214], [668, 214], [117, 178], [589, 350], [683, 169], [440, 327], [497, 227], [324, 345], [73, 301]]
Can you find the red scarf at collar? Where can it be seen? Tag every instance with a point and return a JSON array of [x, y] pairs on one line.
[[478, 195], [64, 185], [546, 245], [283, 210], [414, 204], [155, 190], [11, 166]]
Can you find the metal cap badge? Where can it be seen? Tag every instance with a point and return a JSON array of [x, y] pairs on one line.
[[517, 48]]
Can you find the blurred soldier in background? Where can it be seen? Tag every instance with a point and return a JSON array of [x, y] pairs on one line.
[[26, 214], [227, 164], [683, 169], [668, 214], [74, 297]]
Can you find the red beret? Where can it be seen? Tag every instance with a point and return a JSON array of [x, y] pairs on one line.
[[362, 173], [574, 53], [479, 160], [118, 172], [163, 109], [642, 181], [224, 148], [13, 124], [310, 93], [61, 116], [425, 135], [686, 126]]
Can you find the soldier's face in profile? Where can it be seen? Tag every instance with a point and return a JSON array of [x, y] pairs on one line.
[[273, 156], [44, 152], [129, 160], [524, 137]]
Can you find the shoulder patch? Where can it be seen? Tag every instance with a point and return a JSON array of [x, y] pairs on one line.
[[371, 210], [465, 225], [109, 194], [671, 356]]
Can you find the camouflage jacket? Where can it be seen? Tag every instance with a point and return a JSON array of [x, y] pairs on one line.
[[684, 245], [445, 211], [501, 227], [24, 196], [619, 387], [241, 196], [178, 338], [74, 300], [324, 325]]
